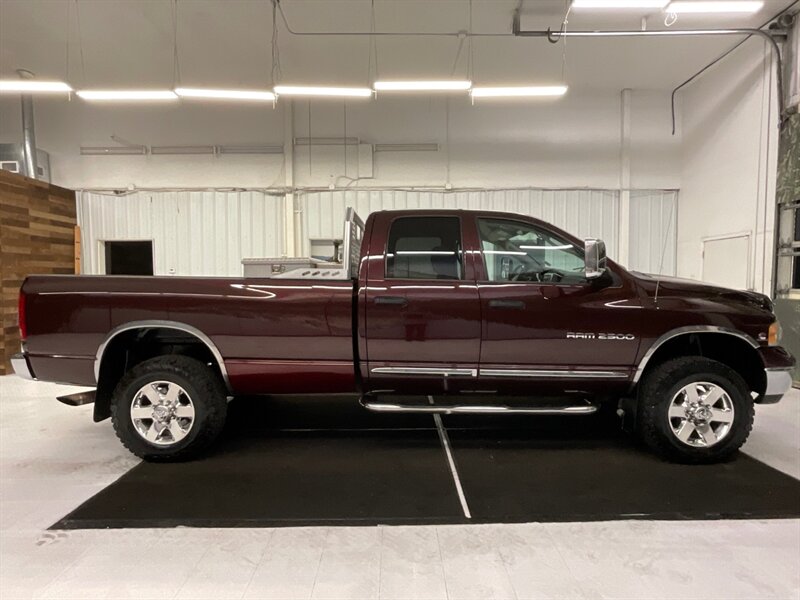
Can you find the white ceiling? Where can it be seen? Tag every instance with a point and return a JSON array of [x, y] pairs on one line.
[[128, 43]]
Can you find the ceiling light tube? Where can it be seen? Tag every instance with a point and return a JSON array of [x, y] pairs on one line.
[[619, 4], [714, 7], [262, 95], [33, 87], [113, 95], [112, 150], [181, 149], [336, 92], [276, 149], [422, 86], [519, 91]]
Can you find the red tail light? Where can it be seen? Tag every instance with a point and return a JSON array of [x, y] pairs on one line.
[[23, 325]]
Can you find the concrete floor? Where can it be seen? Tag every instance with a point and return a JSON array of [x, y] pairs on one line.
[[52, 457]]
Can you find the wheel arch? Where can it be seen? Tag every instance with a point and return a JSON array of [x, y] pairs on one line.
[[108, 366], [733, 348]]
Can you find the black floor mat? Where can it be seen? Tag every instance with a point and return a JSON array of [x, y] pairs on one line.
[[518, 478], [314, 461]]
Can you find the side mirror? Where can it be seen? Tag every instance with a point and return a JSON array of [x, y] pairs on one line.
[[594, 258]]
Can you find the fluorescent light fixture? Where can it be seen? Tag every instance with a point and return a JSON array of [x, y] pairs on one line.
[[112, 150], [181, 149], [312, 90], [519, 91], [422, 86], [276, 149], [424, 147], [127, 94], [714, 7], [226, 94], [32, 86], [619, 3], [326, 141]]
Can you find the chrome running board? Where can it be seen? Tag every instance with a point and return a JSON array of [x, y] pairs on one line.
[[572, 409]]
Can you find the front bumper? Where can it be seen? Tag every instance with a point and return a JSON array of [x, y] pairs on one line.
[[21, 366], [779, 381]]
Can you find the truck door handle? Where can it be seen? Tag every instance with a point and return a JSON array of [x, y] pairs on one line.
[[517, 304], [395, 300]]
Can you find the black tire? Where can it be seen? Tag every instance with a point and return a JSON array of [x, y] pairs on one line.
[[205, 391], [655, 396]]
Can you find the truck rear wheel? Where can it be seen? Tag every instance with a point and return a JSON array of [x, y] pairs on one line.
[[168, 408], [694, 410]]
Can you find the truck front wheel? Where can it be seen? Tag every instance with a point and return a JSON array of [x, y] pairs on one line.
[[168, 408], [694, 410]]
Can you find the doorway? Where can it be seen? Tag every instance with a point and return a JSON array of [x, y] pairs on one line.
[[129, 258]]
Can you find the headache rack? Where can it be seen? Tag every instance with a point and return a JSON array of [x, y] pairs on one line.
[[351, 254]]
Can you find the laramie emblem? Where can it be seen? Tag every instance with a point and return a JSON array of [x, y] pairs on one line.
[[573, 335]]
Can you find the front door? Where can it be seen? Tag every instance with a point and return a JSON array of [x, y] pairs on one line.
[[545, 326], [422, 312]]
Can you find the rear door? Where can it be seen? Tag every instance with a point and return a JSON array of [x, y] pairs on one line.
[[422, 311]]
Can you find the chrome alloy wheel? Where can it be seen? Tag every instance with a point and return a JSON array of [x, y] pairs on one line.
[[162, 413], [700, 414]]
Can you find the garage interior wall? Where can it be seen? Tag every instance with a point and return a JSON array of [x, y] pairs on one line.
[[210, 232], [193, 232], [728, 169], [571, 142]]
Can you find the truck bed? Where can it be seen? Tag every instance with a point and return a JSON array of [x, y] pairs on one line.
[[274, 335]]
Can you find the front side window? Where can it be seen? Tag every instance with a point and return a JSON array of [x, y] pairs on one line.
[[515, 251], [424, 248]]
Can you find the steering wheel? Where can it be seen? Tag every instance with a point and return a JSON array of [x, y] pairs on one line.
[[543, 276]]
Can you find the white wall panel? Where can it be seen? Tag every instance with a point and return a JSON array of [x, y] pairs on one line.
[[584, 213], [653, 231], [193, 232], [728, 176]]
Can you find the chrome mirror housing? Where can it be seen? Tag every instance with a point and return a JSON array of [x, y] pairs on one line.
[[594, 258]]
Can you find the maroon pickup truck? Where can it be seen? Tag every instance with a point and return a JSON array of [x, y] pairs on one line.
[[444, 311]]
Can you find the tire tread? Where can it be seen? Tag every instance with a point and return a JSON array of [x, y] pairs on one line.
[[206, 382], [651, 395]]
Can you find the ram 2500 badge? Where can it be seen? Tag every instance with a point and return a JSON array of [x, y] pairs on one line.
[[467, 306]]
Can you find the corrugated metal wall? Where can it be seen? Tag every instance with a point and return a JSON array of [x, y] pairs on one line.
[[585, 213], [210, 232], [653, 231], [193, 232]]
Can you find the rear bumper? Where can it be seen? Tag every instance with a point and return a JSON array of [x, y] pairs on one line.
[[779, 381], [21, 366]]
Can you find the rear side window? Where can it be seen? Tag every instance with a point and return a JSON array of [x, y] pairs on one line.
[[424, 248]]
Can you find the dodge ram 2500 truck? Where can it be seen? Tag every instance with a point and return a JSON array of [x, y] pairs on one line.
[[470, 307]]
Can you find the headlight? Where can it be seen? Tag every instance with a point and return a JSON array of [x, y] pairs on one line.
[[775, 334]]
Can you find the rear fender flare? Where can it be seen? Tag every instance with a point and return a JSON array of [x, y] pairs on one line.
[[160, 324]]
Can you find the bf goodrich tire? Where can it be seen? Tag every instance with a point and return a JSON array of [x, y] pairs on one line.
[[694, 410], [168, 408]]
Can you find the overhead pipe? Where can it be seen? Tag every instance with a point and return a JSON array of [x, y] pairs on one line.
[[28, 131], [554, 36]]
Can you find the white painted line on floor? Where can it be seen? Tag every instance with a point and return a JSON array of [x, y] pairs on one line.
[[446, 445]]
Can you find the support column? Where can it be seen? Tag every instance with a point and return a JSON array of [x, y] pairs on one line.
[[289, 226], [623, 255]]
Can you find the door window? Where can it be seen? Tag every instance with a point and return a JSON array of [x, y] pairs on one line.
[[424, 248], [515, 251]]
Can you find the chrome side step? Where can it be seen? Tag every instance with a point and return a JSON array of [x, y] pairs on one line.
[[573, 409]]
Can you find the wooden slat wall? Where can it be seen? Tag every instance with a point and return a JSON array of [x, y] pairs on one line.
[[37, 236]]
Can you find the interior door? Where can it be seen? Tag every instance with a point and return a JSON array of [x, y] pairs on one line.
[[726, 261], [544, 324], [423, 324]]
